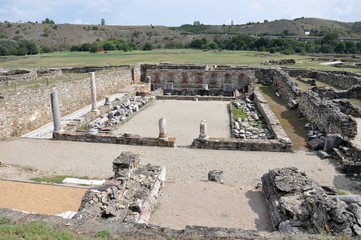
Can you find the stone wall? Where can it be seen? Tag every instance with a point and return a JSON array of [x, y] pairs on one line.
[[280, 81], [29, 109], [195, 78], [281, 143], [18, 76], [342, 80], [331, 93], [114, 139], [326, 115]]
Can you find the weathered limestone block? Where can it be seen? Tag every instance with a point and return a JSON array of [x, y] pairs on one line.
[[298, 204], [129, 196], [215, 176]]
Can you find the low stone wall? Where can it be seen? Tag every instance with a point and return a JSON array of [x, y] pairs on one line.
[[29, 109], [18, 76], [331, 93], [272, 145], [114, 139], [281, 143], [343, 80], [326, 115], [195, 98]]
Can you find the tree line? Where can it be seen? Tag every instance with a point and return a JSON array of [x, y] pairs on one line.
[[330, 43], [17, 47], [110, 45]]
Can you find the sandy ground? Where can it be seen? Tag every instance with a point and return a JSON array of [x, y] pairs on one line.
[[186, 175], [39, 198], [187, 198], [183, 118]]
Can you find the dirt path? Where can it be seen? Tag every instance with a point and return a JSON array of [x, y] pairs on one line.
[[39, 198]]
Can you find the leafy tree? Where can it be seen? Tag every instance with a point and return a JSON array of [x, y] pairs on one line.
[[47, 21], [148, 46]]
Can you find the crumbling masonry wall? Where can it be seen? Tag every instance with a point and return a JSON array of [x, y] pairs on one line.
[[342, 80], [280, 82], [29, 109], [326, 115], [195, 78]]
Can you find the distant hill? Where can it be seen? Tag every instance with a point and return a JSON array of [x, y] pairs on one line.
[[63, 36]]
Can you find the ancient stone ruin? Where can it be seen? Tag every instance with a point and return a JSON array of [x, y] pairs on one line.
[[299, 204], [128, 196]]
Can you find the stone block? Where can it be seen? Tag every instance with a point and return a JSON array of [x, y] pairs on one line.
[[215, 176]]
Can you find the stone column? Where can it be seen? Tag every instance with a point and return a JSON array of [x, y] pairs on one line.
[[93, 90], [203, 130], [55, 110], [162, 128]]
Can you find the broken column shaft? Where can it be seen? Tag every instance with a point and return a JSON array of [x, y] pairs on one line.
[[55, 110], [93, 91]]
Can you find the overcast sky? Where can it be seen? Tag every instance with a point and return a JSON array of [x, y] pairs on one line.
[[175, 13]]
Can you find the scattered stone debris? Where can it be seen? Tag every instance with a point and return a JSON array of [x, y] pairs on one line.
[[128, 196], [299, 204], [280, 62], [117, 114], [252, 126]]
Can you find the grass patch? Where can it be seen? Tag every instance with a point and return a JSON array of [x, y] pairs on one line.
[[293, 125], [102, 233], [55, 179], [341, 192], [237, 113], [72, 59], [34, 230]]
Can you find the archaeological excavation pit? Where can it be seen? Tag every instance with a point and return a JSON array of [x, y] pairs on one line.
[[40, 198]]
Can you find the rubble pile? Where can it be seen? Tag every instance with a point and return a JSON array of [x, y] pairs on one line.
[[280, 62], [252, 126], [118, 114], [298, 204], [128, 196]]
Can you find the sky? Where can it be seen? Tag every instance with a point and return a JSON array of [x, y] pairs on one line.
[[176, 13]]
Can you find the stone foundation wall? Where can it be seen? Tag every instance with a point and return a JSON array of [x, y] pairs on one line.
[[352, 92], [273, 145], [326, 115], [29, 109], [343, 80], [18, 76], [281, 143], [195, 78], [110, 138]]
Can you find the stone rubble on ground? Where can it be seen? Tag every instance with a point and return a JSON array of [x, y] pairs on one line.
[[252, 126], [299, 204], [117, 114], [128, 196]]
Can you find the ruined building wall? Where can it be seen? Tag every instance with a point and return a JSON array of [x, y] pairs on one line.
[[342, 80], [352, 92], [280, 82], [326, 115], [29, 109], [195, 78]]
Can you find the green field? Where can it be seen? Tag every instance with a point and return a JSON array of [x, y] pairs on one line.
[[72, 59]]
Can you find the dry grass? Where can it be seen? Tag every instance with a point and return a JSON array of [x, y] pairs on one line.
[[293, 125]]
